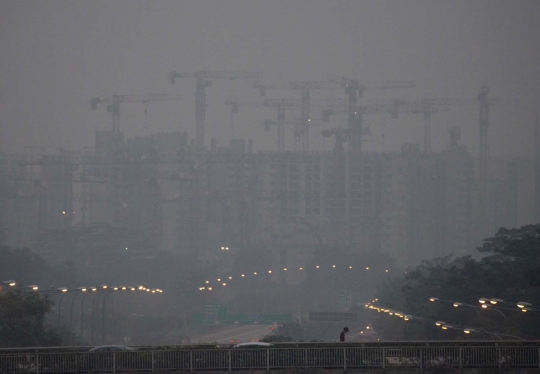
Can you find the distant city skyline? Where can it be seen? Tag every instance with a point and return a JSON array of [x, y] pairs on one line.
[[57, 55]]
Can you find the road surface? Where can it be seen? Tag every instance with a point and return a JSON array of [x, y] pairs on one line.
[[231, 334]]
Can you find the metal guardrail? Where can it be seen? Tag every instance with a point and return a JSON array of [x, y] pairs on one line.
[[274, 358]]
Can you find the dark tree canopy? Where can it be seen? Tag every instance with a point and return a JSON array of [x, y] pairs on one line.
[[22, 320], [510, 272]]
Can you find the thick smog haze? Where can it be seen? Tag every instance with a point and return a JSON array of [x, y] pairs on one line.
[[243, 171], [56, 55]]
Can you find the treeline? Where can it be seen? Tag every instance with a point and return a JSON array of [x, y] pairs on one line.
[[509, 270]]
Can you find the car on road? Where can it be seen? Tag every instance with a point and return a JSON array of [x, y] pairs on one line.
[[253, 345]]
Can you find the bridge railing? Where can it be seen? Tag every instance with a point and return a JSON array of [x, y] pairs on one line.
[[273, 358]]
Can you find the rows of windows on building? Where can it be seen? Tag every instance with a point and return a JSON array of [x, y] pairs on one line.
[[408, 204]]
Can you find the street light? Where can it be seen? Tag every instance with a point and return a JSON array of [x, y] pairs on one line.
[[64, 291], [103, 317], [10, 283], [456, 304], [80, 289]]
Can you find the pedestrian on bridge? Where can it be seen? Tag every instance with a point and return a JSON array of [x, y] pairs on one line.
[[342, 334]]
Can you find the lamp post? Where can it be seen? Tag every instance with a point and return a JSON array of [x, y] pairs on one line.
[[468, 330], [490, 307], [64, 291], [9, 283], [82, 311], [80, 289], [102, 287], [103, 311], [456, 304]]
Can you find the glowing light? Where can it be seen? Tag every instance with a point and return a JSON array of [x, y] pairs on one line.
[[367, 267], [387, 270], [301, 268], [269, 271], [243, 275], [254, 273], [333, 266], [284, 269], [230, 277], [224, 284], [317, 266], [206, 281]]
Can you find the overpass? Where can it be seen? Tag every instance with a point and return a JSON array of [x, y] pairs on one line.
[[413, 356]]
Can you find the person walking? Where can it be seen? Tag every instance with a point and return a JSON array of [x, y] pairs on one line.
[[342, 334]]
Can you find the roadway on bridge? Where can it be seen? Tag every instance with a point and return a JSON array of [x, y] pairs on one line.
[[244, 333]]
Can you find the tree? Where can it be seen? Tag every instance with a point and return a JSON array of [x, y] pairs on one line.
[[22, 320], [508, 272]]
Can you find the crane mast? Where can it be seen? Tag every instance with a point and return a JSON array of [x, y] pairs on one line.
[[202, 83], [301, 131], [484, 126], [355, 89], [282, 105]]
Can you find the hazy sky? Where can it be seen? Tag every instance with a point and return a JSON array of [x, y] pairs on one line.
[[56, 55]]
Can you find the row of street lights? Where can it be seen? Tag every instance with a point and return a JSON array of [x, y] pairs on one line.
[[484, 304], [468, 330], [11, 284], [223, 281], [104, 289], [391, 312], [489, 304]]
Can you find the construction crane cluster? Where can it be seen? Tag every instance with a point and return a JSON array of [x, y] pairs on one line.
[[353, 89]]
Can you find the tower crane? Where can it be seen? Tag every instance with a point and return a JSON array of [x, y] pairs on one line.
[[484, 103], [354, 89], [113, 106], [343, 135], [301, 142], [427, 107], [484, 126], [203, 81], [282, 105]]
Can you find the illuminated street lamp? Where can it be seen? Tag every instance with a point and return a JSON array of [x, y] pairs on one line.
[[10, 283], [64, 291]]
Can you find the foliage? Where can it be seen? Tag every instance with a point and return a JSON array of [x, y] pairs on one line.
[[22, 320], [508, 272], [27, 267], [290, 329]]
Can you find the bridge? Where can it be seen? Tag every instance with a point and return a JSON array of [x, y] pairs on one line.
[[414, 356]]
